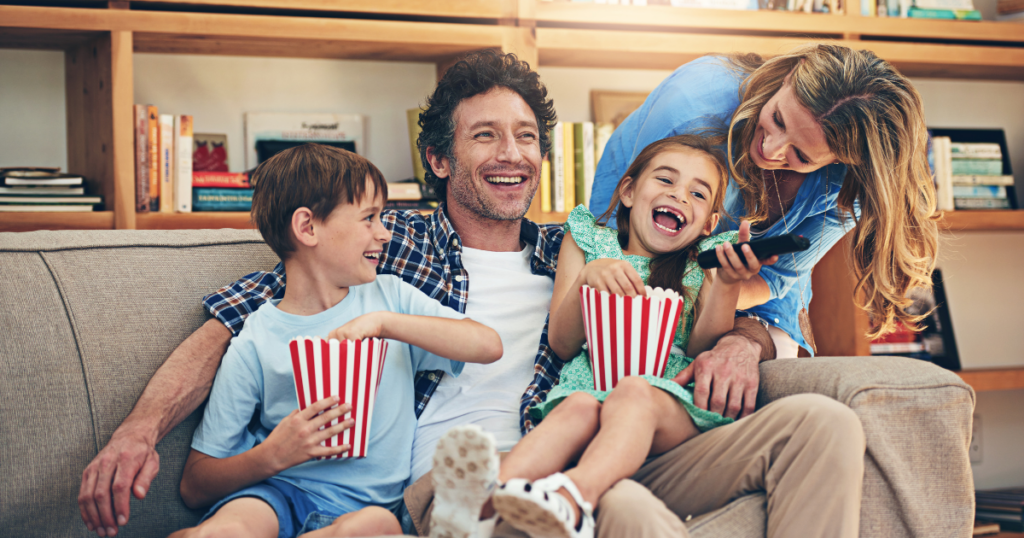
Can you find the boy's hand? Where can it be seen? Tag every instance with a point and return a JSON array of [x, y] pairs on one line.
[[366, 326], [297, 438], [613, 276], [733, 270]]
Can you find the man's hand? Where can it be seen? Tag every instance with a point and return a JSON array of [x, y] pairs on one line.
[[726, 377], [129, 462]]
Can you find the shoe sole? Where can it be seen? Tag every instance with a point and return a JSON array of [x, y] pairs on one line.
[[464, 474], [526, 515]]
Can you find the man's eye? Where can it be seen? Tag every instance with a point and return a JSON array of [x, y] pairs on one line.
[[531, 136], [479, 135]]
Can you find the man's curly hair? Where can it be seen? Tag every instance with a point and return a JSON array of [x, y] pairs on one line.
[[477, 73]]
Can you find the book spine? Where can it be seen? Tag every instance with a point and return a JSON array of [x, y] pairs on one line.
[[979, 191], [973, 150], [980, 167], [1006, 181], [943, 175], [221, 199], [897, 347], [153, 155], [545, 185], [578, 183], [981, 203], [412, 118], [166, 163], [183, 164], [558, 168], [141, 161], [232, 180], [570, 166], [589, 163]]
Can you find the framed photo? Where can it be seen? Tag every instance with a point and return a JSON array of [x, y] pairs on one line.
[[613, 107]]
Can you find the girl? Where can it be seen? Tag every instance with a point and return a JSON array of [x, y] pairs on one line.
[[668, 204]]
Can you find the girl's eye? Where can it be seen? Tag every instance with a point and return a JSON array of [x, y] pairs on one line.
[[665, 180], [699, 194]]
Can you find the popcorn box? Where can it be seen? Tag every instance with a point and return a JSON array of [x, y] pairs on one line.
[[629, 335], [349, 369]]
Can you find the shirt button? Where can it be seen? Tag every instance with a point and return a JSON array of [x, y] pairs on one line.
[[432, 377], [455, 242], [460, 278], [776, 320]]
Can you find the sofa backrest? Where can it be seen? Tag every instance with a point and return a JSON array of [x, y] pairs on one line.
[[86, 318]]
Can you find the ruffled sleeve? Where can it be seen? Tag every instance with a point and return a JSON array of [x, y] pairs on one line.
[[582, 224]]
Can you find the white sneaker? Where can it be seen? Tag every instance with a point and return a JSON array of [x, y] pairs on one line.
[[540, 511], [465, 474]]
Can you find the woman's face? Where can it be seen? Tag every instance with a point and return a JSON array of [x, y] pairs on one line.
[[787, 136]]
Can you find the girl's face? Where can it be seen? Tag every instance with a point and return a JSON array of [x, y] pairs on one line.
[[670, 203], [788, 137]]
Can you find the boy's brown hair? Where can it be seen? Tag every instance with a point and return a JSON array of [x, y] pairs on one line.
[[315, 176]]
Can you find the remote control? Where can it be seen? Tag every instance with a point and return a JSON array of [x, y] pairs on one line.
[[763, 248]]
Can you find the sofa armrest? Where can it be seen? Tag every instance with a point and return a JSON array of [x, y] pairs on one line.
[[917, 423]]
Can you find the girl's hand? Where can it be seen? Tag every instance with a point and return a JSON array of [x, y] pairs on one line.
[[297, 438], [733, 270], [366, 326], [613, 276]]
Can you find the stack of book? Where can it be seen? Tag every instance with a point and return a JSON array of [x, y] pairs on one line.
[[969, 175], [411, 194], [1003, 506], [221, 191], [934, 341], [163, 161], [43, 189], [567, 175]]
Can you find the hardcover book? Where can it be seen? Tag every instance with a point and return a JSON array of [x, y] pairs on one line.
[[141, 160], [183, 164], [300, 127], [210, 152], [166, 163], [153, 156]]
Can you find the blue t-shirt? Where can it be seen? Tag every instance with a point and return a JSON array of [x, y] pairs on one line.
[[704, 94], [255, 378]]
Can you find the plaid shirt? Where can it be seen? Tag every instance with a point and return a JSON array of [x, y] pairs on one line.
[[427, 253]]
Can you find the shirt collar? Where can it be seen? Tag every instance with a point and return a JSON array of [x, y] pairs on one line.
[[444, 237]]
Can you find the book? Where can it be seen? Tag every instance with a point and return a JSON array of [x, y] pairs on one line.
[[206, 199], [183, 163], [982, 528], [299, 128], [979, 191], [33, 208], [578, 177], [410, 191], [411, 204], [222, 180], [1004, 180], [166, 163], [982, 203], [948, 14], [943, 173], [42, 191], [210, 152], [545, 184], [141, 160], [50, 199], [589, 162], [412, 119], [981, 167], [558, 168], [944, 4], [896, 348], [569, 160], [976, 150], [26, 178], [153, 156]]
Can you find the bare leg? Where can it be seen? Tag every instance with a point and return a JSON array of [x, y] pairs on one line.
[[370, 521], [636, 420], [245, 517], [559, 439]]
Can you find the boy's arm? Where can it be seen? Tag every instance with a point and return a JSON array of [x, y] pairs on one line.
[[462, 340], [295, 440]]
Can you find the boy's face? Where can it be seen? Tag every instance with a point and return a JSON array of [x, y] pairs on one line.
[[351, 238]]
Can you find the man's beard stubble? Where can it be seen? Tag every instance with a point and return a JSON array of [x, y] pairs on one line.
[[465, 192]]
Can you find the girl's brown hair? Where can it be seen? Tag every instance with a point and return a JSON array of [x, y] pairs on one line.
[[873, 121], [668, 269]]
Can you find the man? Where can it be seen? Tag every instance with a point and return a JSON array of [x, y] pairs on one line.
[[484, 134]]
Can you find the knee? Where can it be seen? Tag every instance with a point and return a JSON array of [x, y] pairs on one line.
[[630, 509], [581, 406], [827, 421], [631, 391], [218, 529], [370, 521]]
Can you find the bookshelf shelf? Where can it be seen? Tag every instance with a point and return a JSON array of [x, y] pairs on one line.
[[26, 222], [193, 221], [996, 379], [996, 220], [478, 9]]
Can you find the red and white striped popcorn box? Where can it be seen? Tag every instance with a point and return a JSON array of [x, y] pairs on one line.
[[349, 369], [629, 335]]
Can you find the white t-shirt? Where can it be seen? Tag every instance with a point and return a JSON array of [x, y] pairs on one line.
[[506, 296]]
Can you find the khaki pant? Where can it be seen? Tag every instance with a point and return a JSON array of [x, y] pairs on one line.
[[806, 452]]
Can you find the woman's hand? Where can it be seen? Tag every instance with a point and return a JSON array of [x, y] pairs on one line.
[[613, 276], [366, 326], [297, 438], [733, 270]]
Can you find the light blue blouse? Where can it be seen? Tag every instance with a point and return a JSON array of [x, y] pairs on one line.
[[703, 94]]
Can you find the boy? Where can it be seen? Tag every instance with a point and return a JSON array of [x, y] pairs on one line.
[[319, 209]]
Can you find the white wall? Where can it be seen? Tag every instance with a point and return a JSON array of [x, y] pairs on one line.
[[982, 269]]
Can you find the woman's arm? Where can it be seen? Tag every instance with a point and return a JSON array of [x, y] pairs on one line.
[[462, 340]]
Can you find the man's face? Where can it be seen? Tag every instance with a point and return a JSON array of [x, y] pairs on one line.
[[495, 167]]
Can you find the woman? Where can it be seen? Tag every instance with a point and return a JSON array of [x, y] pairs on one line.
[[820, 141]]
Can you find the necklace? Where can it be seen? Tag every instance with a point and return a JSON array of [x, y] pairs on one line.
[[804, 316]]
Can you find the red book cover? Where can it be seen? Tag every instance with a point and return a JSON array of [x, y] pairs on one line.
[[221, 180]]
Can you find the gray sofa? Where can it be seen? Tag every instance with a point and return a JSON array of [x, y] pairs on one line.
[[86, 318]]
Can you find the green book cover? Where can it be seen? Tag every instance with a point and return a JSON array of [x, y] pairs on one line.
[[948, 14], [981, 167], [412, 117], [578, 146]]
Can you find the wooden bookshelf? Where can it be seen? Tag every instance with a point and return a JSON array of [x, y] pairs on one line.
[[471, 9], [193, 221], [994, 220], [994, 379], [27, 222]]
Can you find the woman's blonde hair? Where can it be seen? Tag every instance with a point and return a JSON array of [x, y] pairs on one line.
[[873, 122]]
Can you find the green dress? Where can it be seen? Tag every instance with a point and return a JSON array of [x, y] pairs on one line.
[[599, 242]]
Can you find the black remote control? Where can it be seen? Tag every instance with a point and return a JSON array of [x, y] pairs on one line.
[[763, 248]]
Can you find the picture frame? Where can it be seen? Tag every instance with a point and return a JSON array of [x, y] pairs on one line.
[[615, 106]]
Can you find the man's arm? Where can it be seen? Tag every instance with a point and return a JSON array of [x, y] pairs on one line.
[[129, 462], [726, 376]]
